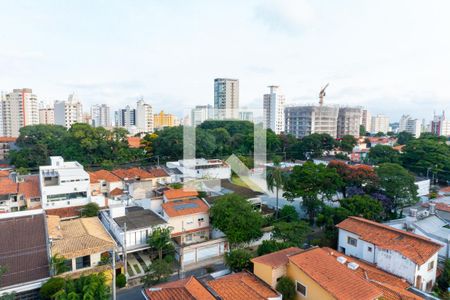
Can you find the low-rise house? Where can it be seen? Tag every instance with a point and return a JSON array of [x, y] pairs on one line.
[[176, 194], [324, 273], [398, 252], [84, 243], [29, 191], [137, 222], [23, 253], [103, 182], [6, 144], [243, 285], [64, 184], [227, 187], [19, 193], [199, 168], [140, 183], [423, 186], [9, 200], [188, 218]]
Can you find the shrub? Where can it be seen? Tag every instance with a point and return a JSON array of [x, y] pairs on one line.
[[286, 287], [90, 210], [51, 287], [238, 260], [121, 281]]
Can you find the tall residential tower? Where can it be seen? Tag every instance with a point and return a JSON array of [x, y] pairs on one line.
[[274, 110], [226, 98]]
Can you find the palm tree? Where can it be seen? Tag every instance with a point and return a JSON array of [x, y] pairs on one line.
[[59, 264], [275, 181]]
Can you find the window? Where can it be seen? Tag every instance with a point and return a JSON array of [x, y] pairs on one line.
[[369, 249], [352, 241], [83, 262], [301, 289], [68, 265], [188, 237], [430, 265]]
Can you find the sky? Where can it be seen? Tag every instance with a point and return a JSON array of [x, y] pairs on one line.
[[390, 56]]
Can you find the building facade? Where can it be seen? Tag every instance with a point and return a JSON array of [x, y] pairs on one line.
[[349, 119], [440, 125], [47, 115], [125, 118], [301, 121], [366, 120], [201, 113], [162, 120], [226, 98], [18, 109], [274, 110], [410, 125], [144, 117], [379, 123], [68, 112], [101, 115]]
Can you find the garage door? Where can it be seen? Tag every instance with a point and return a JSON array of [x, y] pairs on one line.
[[207, 252]]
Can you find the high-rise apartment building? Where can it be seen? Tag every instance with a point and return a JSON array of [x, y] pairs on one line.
[[18, 109], [301, 121], [101, 115], [380, 123], [46, 115], [226, 98], [408, 124], [144, 117], [125, 117], [162, 120], [274, 110], [366, 120], [200, 114], [68, 112], [440, 125], [349, 119]]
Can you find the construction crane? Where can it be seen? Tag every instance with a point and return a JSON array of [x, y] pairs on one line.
[[322, 94]]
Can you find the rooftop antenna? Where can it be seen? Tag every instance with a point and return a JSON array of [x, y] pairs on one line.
[[322, 94]]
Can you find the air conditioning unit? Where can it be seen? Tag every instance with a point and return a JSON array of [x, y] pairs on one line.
[[426, 213], [341, 259], [353, 266]]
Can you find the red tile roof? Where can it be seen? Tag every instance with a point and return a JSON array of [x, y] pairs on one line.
[[4, 173], [243, 286], [179, 193], [66, 212], [132, 173], [116, 192], [415, 247], [185, 289], [158, 172], [134, 142], [7, 139], [445, 190], [29, 187], [366, 282], [278, 258], [105, 175], [185, 207], [7, 186]]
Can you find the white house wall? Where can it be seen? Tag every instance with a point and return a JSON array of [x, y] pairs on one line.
[[395, 263]]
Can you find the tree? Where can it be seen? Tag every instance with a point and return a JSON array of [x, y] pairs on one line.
[[404, 137], [364, 206], [159, 271], [328, 218], [443, 282], [147, 143], [160, 241], [275, 181], [271, 246], [121, 280], [238, 260], [347, 143], [294, 233], [3, 270], [58, 264], [288, 214], [355, 176], [383, 154], [286, 287], [314, 145], [235, 216], [51, 287], [398, 184], [90, 210], [313, 183], [362, 130]]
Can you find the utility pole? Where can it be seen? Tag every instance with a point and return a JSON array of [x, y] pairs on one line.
[[113, 275]]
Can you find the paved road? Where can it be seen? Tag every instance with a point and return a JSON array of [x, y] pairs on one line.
[[134, 293]]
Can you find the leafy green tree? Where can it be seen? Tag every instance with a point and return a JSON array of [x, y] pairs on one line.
[[147, 143], [288, 214], [443, 282], [271, 246], [159, 271], [286, 287], [238, 260], [51, 287], [236, 217], [121, 280], [160, 241], [58, 263], [362, 130], [294, 232], [90, 210], [314, 145], [313, 183], [398, 184], [3, 270], [404, 137], [275, 181], [347, 143], [380, 134], [383, 154], [328, 218], [364, 206]]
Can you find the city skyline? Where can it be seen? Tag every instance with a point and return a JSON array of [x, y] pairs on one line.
[[379, 65]]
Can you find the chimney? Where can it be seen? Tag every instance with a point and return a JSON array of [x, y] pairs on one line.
[[432, 208]]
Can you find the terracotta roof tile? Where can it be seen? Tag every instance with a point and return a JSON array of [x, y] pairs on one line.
[[4, 173], [29, 187], [184, 207], [158, 172], [278, 258], [132, 173], [7, 186], [7, 139], [105, 175], [65, 212], [134, 141], [116, 192], [445, 190], [184, 289], [243, 285], [417, 248], [179, 193]]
